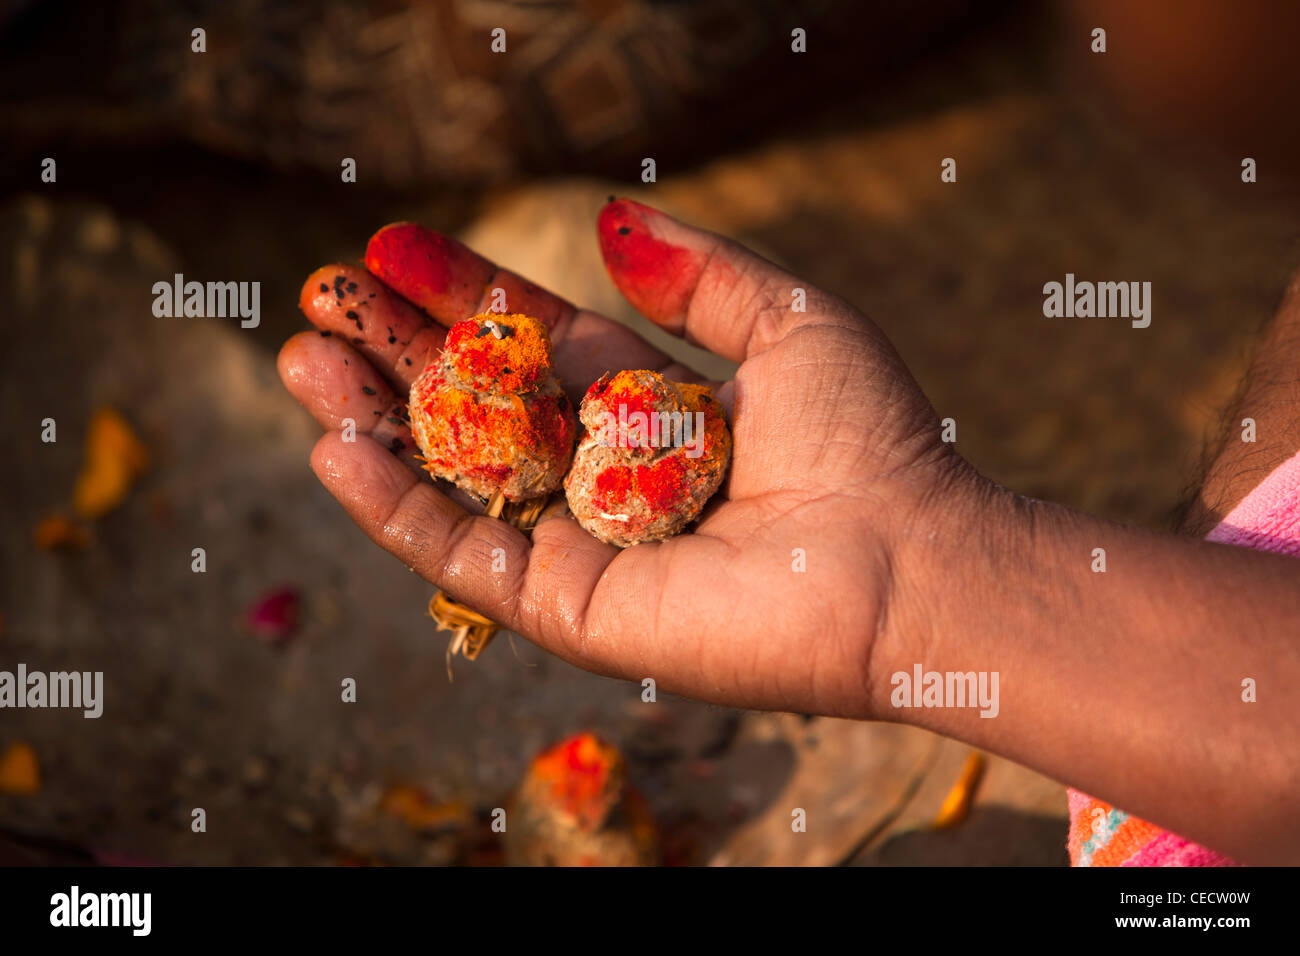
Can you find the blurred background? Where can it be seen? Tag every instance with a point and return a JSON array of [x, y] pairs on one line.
[[222, 688]]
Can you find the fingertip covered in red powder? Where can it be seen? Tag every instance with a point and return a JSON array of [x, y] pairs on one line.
[[656, 276], [434, 271]]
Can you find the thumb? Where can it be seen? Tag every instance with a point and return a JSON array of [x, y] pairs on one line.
[[702, 286]]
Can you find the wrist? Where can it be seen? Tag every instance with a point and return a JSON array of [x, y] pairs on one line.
[[953, 560]]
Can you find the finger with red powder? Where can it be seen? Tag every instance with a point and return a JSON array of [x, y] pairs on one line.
[[350, 303], [707, 288], [451, 282], [333, 382]]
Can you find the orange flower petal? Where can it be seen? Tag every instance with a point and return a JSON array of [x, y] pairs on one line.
[[115, 458], [20, 771], [58, 531]]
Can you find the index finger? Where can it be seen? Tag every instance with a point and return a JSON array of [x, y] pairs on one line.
[[450, 281]]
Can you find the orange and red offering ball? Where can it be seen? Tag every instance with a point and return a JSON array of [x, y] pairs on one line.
[[654, 452], [574, 807], [489, 414]]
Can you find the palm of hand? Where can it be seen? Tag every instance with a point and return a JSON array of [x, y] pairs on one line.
[[776, 600]]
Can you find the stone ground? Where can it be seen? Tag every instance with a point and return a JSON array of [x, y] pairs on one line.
[[201, 713]]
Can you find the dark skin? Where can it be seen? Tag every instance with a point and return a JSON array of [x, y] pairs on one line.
[[1270, 394], [1124, 684]]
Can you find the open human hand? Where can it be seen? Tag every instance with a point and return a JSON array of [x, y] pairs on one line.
[[780, 597]]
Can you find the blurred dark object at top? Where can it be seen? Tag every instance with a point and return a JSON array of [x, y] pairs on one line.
[[1216, 75], [413, 92]]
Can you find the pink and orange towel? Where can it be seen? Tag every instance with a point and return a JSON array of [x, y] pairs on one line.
[[1100, 835], [1268, 519]]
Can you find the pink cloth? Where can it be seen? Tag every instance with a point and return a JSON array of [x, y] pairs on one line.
[[1267, 519]]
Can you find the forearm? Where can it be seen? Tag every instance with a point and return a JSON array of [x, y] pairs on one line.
[[1125, 683]]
